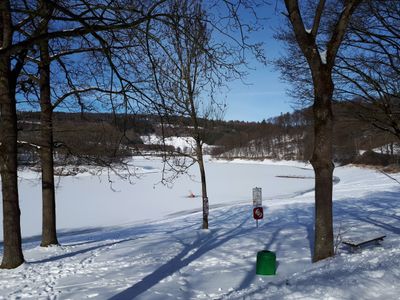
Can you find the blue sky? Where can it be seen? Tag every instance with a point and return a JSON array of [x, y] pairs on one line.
[[264, 95]]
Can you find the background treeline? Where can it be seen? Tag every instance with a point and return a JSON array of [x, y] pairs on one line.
[[290, 136], [103, 138], [90, 138]]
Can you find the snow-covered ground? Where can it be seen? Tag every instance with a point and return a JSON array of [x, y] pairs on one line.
[[185, 144], [144, 241]]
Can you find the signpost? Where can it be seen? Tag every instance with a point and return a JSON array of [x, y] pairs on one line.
[[258, 212], [257, 197]]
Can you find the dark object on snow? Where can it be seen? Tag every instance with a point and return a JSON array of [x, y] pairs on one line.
[[357, 245], [266, 263]]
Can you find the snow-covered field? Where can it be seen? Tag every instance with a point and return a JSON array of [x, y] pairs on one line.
[[144, 240]]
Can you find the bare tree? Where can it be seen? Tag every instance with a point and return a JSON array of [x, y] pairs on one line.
[[49, 235], [190, 64], [85, 19], [182, 74], [320, 55], [48, 55], [12, 256], [91, 20], [368, 69]]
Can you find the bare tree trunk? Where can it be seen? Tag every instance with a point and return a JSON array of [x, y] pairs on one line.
[[323, 167], [321, 71], [49, 233], [204, 196], [12, 256]]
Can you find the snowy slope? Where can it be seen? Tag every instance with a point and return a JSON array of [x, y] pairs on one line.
[[186, 144], [173, 259]]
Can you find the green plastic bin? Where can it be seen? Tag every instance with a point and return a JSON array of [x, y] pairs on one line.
[[266, 263]]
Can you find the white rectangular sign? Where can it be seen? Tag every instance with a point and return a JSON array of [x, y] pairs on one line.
[[257, 197]]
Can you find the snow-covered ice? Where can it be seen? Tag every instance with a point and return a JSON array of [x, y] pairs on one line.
[[144, 241]]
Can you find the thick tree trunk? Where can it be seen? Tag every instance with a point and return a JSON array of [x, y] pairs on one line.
[[204, 196], [49, 233], [323, 167], [12, 255], [321, 69]]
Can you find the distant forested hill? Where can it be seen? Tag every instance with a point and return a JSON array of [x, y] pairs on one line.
[[103, 138]]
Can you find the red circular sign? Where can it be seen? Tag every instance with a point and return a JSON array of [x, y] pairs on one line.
[[258, 213]]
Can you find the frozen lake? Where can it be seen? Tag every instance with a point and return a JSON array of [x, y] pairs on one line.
[[89, 200]]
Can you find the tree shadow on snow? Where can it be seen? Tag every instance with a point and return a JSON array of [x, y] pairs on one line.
[[295, 215], [82, 251], [378, 211], [61, 234], [205, 242]]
